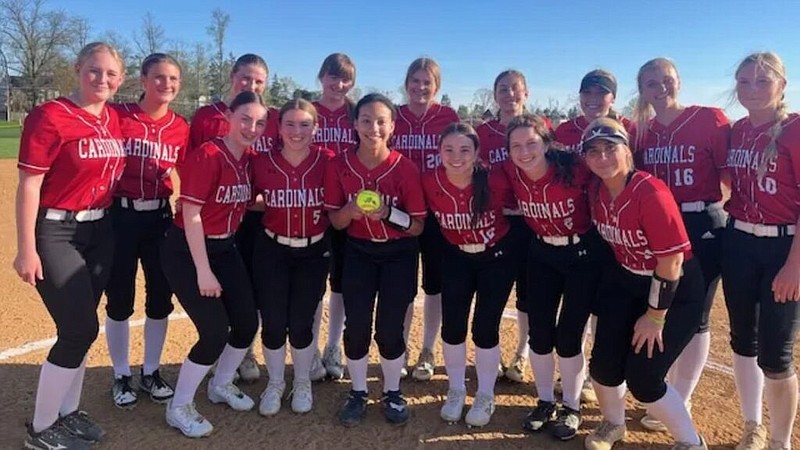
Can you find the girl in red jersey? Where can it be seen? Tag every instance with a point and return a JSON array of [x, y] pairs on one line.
[[380, 254], [155, 140], [467, 202], [760, 269], [420, 123], [205, 269], [564, 261], [686, 147], [249, 73], [70, 159], [335, 131], [292, 253], [650, 302]]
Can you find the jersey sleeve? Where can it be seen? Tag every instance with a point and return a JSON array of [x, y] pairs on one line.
[[413, 197], [790, 138], [200, 175], [662, 224], [40, 143], [719, 138], [334, 194]]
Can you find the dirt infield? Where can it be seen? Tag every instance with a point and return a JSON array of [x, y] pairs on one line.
[[25, 324]]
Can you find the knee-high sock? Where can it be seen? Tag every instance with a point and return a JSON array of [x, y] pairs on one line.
[[301, 358], [432, 320], [73, 398], [357, 368], [276, 362], [54, 385], [689, 365], [544, 367], [118, 338], [391, 372], [486, 362], [671, 411], [189, 378], [781, 396], [750, 385], [155, 332], [455, 362], [335, 319], [572, 377], [612, 402], [522, 334], [227, 364]]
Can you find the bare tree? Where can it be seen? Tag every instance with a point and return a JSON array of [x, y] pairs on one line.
[[219, 67], [152, 37], [34, 38], [483, 99], [355, 94]]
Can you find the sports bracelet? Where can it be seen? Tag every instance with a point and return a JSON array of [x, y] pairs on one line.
[[655, 320], [398, 218], [662, 292]]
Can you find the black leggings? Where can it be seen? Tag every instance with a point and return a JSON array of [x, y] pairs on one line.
[[137, 236], [338, 239], [521, 234], [230, 318], [388, 269], [76, 257], [622, 299], [707, 248], [490, 274], [289, 285], [431, 245]]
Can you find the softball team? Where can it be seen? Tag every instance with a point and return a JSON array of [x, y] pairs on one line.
[[272, 202]]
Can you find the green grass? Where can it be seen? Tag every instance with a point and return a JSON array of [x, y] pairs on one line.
[[9, 141]]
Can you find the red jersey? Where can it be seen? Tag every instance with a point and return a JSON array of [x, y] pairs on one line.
[[453, 208], [775, 199], [688, 154], [209, 122], [152, 148], [397, 181], [417, 138], [641, 224], [570, 133], [213, 178], [335, 129], [492, 137], [551, 207], [80, 154], [293, 196]]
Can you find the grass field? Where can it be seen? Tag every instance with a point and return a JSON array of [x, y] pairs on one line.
[[9, 140]]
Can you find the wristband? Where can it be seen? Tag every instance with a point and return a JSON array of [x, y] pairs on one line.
[[662, 292], [398, 219], [655, 320]]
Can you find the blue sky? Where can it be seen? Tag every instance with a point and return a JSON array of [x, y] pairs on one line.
[[553, 42]]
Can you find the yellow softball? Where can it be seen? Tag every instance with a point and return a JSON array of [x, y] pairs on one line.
[[368, 201]]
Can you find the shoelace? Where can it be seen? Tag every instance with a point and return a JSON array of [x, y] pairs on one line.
[[272, 389], [605, 429], [484, 403], [231, 389], [301, 390], [188, 412]]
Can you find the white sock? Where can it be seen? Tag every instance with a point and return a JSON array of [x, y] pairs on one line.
[[335, 319], [407, 322], [276, 362], [118, 337], [612, 402], [544, 367], [301, 358], [432, 320], [227, 364], [391, 372], [455, 362], [189, 378], [155, 332], [749, 385], [317, 325], [671, 411], [522, 333], [357, 368], [54, 384], [73, 398], [572, 377], [781, 396], [689, 365], [486, 362]]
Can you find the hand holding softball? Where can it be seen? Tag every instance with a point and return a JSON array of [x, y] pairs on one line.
[[368, 201]]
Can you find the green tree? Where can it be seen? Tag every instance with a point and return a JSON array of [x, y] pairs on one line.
[[446, 100]]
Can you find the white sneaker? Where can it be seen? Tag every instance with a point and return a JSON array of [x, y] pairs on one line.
[[271, 398], [332, 360], [453, 406], [231, 395], [516, 371], [248, 369], [404, 369], [481, 411], [188, 420], [302, 399], [604, 436], [423, 371], [317, 372]]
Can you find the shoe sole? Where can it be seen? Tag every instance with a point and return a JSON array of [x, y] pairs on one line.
[[177, 427], [423, 377], [126, 407], [220, 401]]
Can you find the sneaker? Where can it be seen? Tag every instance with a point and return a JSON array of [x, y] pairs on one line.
[[54, 437], [317, 372], [230, 394], [776, 445], [566, 424], [395, 409], [271, 398], [541, 415], [160, 391], [404, 369], [481, 411], [501, 371], [453, 406], [302, 399], [557, 388], [354, 410], [516, 371], [79, 424], [604, 436], [587, 392], [423, 371], [188, 420], [687, 446], [123, 394], [248, 369], [332, 361], [754, 437]]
